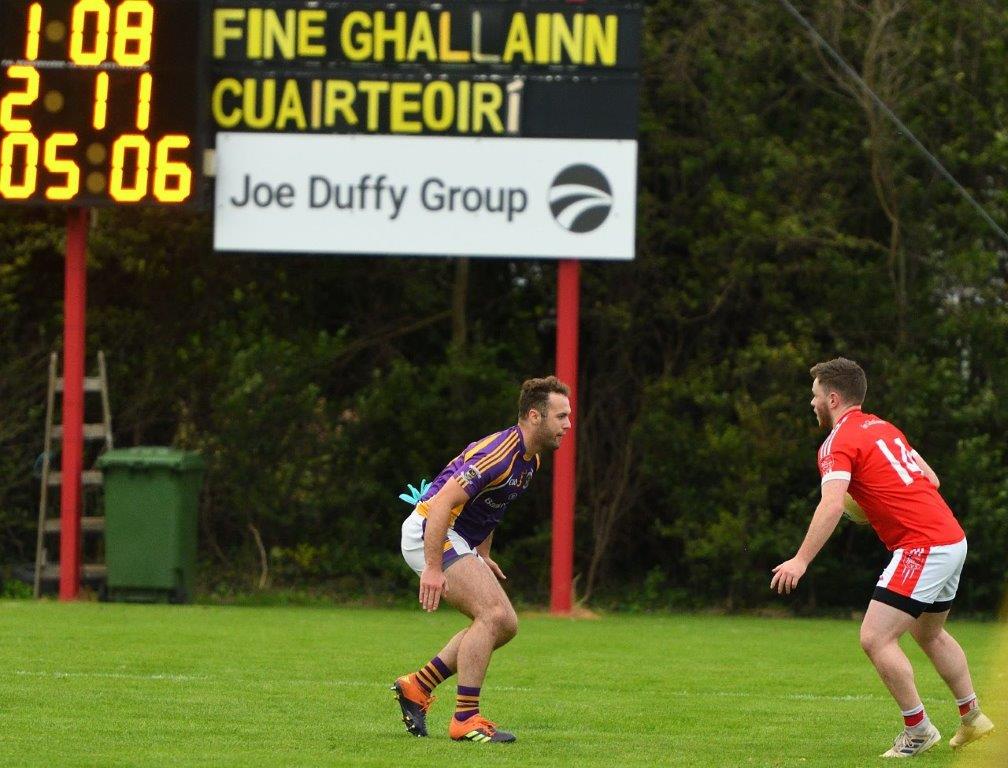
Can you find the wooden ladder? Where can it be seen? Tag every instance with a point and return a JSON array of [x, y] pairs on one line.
[[91, 525]]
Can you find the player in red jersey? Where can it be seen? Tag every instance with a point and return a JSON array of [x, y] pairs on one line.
[[873, 461]]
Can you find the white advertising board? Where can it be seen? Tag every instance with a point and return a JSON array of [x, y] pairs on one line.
[[425, 196]]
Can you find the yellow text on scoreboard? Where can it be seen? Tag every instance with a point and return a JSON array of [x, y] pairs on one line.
[[369, 105], [420, 36]]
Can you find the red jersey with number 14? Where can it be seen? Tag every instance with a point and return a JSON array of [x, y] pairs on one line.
[[902, 505]]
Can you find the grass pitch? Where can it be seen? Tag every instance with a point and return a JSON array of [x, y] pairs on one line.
[[105, 685]]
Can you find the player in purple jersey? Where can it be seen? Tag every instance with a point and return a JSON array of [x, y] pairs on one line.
[[455, 518]]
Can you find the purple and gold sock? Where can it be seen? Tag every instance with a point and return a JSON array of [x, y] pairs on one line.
[[466, 703], [432, 674]]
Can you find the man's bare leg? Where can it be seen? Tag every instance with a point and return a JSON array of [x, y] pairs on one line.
[[449, 654], [945, 653], [881, 630], [949, 660], [475, 591]]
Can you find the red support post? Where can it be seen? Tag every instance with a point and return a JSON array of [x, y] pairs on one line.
[[565, 459], [75, 291]]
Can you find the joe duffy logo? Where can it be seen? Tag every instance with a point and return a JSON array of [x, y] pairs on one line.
[[580, 198]]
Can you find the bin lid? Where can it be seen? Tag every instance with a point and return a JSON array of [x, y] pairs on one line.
[[151, 457]]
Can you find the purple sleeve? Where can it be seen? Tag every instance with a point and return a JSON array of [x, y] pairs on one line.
[[482, 469]]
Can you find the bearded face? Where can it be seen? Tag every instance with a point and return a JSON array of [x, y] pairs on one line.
[[554, 423], [820, 405]]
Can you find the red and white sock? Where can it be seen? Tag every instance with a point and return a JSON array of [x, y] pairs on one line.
[[968, 706], [916, 719]]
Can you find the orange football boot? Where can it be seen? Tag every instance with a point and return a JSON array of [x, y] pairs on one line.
[[477, 728], [414, 702]]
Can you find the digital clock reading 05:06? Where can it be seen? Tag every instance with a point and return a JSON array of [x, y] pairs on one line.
[[100, 101]]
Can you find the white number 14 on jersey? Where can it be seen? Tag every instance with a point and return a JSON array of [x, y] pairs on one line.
[[905, 464]]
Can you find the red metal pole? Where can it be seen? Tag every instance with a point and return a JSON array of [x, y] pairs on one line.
[[75, 290], [562, 571]]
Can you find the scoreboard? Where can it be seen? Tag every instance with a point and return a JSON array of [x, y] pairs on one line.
[[530, 68], [496, 128], [115, 102], [101, 102]]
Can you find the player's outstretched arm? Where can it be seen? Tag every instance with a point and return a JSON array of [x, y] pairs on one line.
[[787, 575], [432, 579]]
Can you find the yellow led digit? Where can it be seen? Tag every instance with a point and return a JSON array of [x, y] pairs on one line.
[[20, 98], [165, 169], [68, 168], [100, 111], [143, 101], [141, 152], [8, 187], [34, 27], [134, 24], [95, 54]]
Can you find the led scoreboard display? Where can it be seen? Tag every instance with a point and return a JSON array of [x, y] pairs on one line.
[[100, 102]]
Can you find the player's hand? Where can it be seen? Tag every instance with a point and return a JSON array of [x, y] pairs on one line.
[[494, 568], [787, 575], [432, 586]]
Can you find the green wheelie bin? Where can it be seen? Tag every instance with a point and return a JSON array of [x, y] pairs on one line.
[[151, 503]]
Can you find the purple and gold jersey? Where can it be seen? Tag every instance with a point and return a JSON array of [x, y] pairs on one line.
[[494, 471]]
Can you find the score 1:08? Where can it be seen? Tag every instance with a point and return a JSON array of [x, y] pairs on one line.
[[126, 32]]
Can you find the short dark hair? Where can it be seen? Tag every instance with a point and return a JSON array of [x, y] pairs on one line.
[[535, 394], [843, 376]]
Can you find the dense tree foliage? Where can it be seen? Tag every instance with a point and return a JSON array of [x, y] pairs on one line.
[[782, 220]]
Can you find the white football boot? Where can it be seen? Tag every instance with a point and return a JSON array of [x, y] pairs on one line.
[[979, 726], [910, 744]]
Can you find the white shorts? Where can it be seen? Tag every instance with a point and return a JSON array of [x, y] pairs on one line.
[[922, 579], [455, 547]]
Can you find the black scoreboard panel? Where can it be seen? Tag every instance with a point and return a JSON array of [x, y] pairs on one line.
[[524, 68], [500, 34], [404, 103], [101, 101]]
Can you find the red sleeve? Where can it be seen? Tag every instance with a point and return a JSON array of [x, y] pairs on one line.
[[836, 459]]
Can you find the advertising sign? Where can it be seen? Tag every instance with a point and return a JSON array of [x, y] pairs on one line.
[[438, 196]]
